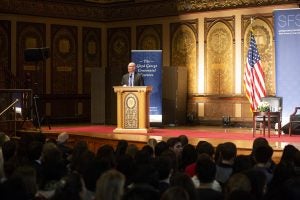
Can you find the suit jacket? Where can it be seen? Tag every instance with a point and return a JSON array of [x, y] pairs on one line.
[[138, 79]]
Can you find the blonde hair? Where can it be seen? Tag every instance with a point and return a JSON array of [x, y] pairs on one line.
[[110, 185]]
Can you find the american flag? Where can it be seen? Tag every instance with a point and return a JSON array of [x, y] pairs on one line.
[[254, 76]]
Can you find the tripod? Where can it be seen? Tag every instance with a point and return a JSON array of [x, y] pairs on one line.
[[36, 112], [36, 55]]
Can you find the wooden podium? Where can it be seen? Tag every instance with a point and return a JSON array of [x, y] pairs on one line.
[[133, 109]]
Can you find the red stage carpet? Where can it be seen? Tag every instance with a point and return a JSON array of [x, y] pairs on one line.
[[191, 132]]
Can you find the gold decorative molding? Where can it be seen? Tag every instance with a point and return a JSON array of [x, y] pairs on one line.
[[204, 5], [149, 37], [184, 39], [131, 109]]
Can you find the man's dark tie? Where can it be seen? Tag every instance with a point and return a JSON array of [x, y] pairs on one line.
[[130, 80]]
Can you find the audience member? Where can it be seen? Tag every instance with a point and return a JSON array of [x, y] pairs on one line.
[[208, 187], [202, 147], [160, 147], [183, 139], [121, 148], [132, 150], [110, 186], [176, 192], [288, 153], [184, 181], [70, 187], [263, 160], [141, 192], [228, 153]]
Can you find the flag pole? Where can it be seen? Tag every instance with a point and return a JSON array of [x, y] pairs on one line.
[[251, 32]]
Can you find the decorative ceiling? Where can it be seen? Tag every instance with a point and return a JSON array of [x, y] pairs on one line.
[[115, 10]]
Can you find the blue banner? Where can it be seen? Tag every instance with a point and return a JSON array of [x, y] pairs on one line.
[[287, 48], [149, 63]]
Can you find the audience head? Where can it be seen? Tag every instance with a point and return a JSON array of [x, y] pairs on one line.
[[3, 138], [132, 150], [205, 169], [205, 147], [160, 147], [260, 141], [121, 148], [189, 155], [237, 182], [263, 154], [175, 145], [176, 192], [184, 181], [141, 192], [228, 151], [110, 186], [152, 142], [183, 139], [70, 187], [288, 153], [62, 138]]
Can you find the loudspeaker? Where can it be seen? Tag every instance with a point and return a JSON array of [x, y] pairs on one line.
[[36, 54]]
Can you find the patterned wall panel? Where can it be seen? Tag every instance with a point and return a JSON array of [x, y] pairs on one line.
[[64, 59], [263, 30], [184, 39], [118, 47], [91, 54], [219, 51], [32, 73], [149, 37], [5, 44]]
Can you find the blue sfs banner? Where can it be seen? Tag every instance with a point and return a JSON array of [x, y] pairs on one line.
[[287, 48], [149, 63]]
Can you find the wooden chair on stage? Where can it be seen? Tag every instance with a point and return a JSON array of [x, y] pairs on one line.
[[270, 118]]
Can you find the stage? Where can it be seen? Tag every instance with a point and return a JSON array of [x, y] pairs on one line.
[[242, 137]]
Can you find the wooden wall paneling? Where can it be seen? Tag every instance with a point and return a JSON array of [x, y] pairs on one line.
[[5, 55], [149, 37], [64, 72], [219, 56], [31, 73], [174, 95], [98, 95], [119, 51], [91, 54], [184, 50], [64, 59]]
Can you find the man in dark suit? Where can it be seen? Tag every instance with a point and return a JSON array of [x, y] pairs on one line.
[[132, 78]]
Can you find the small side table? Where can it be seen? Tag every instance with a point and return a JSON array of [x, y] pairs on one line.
[[266, 117]]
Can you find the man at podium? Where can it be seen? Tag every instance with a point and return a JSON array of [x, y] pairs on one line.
[[132, 78]]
